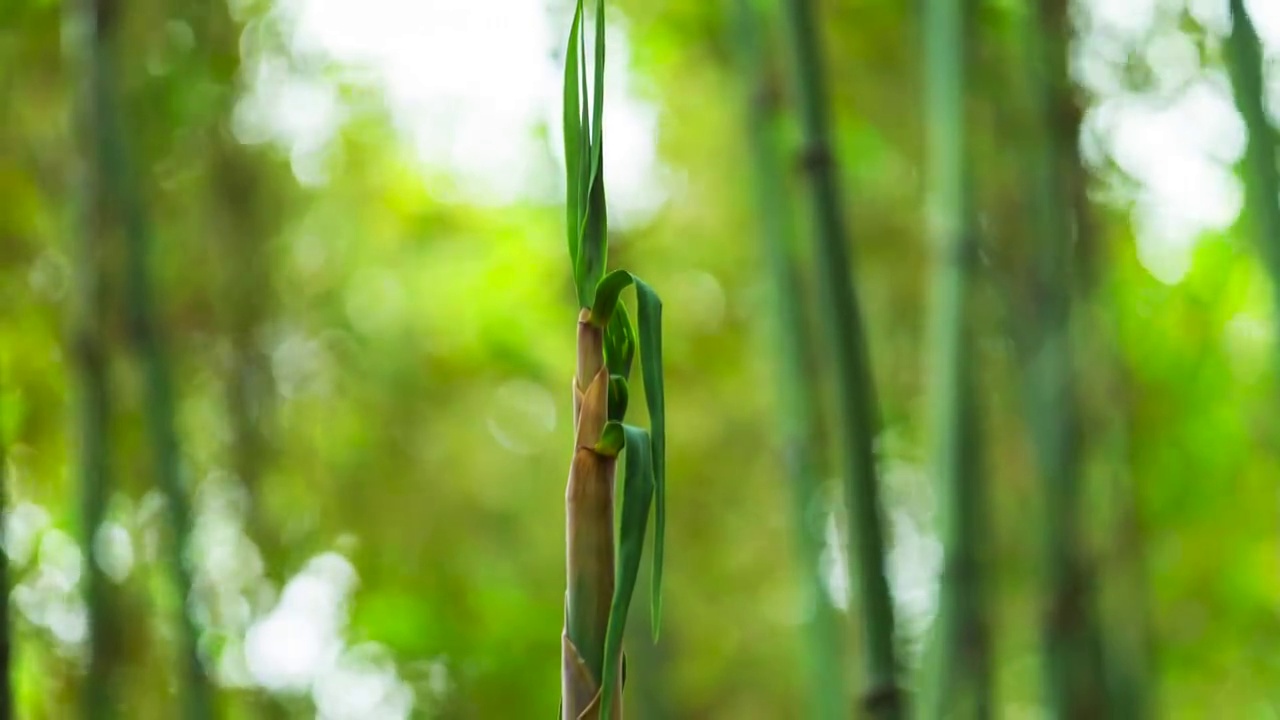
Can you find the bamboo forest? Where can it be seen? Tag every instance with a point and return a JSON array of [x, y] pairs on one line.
[[735, 359]]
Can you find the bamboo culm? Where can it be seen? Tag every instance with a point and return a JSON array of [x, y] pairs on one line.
[[842, 321], [117, 178], [1071, 654], [1261, 178], [958, 684], [88, 344], [796, 415]]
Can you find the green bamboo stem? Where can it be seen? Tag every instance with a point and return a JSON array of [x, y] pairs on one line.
[[958, 685], [1261, 178], [116, 176], [855, 389], [1071, 656], [795, 419], [89, 353]]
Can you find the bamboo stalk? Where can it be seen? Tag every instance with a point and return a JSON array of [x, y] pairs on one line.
[[855, 387], [959, 682], [6, 647], [589, 529], [1261, 178], [795, 419], [117, 177], [89, 352], [1071, 653]]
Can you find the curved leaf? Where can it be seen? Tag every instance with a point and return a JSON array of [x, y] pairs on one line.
[[649, 336], [607, 295], [650, 311], [619, 343], [636, 499], [611, 439]]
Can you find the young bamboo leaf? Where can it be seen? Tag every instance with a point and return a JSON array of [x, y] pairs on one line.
[[594, 246], [620, 343], [637, 495], [572, 135], [650, 307], [611, 440], [648, 303], [608, 292], [619, 396], [597, 96]]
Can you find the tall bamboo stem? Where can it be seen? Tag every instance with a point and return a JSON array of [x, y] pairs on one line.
[[796, 415], [959, 681], [1071, 655], [116, 176], [6, 648], [855, 387], [88, 342], [1261, 177]]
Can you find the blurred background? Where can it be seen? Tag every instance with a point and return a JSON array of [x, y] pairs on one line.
[[360, 282]]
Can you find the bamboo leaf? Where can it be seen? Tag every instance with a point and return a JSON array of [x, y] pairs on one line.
[[637, 496], [607, 296], [597, 117], [650, 321], [594, 236], [572, 135], [619, 343], [594, 247], [611, 439], [619, 396]]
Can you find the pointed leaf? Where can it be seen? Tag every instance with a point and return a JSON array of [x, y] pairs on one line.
[[636, 498], [594, 247], [597, 118], [572, 135], [650, 336]]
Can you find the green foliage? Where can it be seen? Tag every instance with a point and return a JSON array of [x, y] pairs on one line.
[[638, 493], [584, 159], [412, 346], [603, 314]]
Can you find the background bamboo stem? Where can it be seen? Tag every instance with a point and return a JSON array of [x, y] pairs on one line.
[[120, 182], [1071, 653], [855, 389], [1261, 177], [89, 352], [959, 682], [795, 418]]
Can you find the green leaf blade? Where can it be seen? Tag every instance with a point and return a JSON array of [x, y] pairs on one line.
[[636, 500], [619, 342], [650, 336], [573, 135], [607, 295]]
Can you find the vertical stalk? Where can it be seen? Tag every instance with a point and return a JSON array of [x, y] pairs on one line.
[[1071, 656], [855, 390], [959, 676], [589, 533], [6, 648], [1261, 178], [88, 343], [795, 419], [117, 177]]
